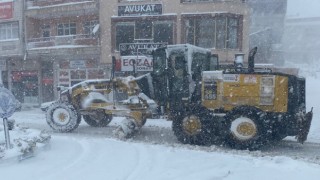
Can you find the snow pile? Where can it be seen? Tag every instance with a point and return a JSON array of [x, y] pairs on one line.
[[23, 141]]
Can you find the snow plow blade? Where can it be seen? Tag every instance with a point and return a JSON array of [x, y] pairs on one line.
[[304, 127]]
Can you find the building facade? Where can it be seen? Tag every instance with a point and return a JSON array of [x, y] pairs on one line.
[[222, 26], [11, 39], [46, 43], [63, 40]]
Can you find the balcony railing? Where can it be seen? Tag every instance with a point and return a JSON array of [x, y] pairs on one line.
[[33, 3], [70, 40]]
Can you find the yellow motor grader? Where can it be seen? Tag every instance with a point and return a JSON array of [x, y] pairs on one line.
[[208, 102], [97, 101]]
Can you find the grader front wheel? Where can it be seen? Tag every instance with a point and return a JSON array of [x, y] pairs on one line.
[[98, 119], [195, 127], [63, 117]]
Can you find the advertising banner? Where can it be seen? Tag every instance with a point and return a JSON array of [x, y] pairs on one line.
[[6, 10]]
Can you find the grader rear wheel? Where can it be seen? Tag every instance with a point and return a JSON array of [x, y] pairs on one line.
[[246, 128]]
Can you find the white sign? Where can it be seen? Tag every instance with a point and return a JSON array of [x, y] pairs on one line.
[[231, 77], [77, 64], [250, 79], [142, 63]]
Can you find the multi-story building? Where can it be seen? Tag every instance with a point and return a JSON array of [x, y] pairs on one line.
[[219, 25], [266, 29], [62, 44], [48, 43], [11, 38]]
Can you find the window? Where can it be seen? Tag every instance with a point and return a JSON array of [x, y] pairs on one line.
[[189, 1], [155, 31], [45, 30], [66, 29], [9, 31], [163, 32], [213, 32], [143, 29], [124, 33], [89, 26]]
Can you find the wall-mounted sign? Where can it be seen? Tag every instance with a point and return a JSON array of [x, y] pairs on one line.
[[77, 64], [128, 49], [136, 63], [6, 10], [138, 10]]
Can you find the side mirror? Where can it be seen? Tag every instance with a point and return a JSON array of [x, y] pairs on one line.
[[113, 66]]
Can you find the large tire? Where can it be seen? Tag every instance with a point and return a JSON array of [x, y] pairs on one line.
[[63, 117], [247, 129], [194, 127], [99, 119]]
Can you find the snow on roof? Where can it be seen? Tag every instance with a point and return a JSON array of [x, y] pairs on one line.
[[165, 14], [60, 47], [215, 12]]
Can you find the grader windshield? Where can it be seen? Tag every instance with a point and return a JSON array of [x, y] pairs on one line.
[[177, 72]]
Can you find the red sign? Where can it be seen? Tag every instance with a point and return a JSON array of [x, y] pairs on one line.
[[6, 9]]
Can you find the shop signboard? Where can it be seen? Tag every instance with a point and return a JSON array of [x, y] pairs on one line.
[[141, 9], [77, 64], [6, 9], [136, 57], [138, 63]]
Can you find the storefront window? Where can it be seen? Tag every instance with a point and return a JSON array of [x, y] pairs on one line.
[[213, 32], [124, 33], [163, 32], [155, 31], [143, 29]]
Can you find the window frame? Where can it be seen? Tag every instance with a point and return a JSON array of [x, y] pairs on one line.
[[89, 25], [225, 17], [66, 27], [10, 31], [157, 20]]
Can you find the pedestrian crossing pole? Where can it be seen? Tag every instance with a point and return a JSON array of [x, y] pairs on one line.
[[6, 133]]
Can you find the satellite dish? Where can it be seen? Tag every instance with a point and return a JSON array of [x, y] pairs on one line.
[[95, 29]]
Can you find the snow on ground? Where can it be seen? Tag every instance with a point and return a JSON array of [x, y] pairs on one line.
[[154, 153]]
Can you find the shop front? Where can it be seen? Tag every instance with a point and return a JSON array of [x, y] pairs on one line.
[[72, 72]]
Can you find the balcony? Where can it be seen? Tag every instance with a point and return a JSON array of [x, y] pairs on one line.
[[46, 9], [42, 3], [69, 41]]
